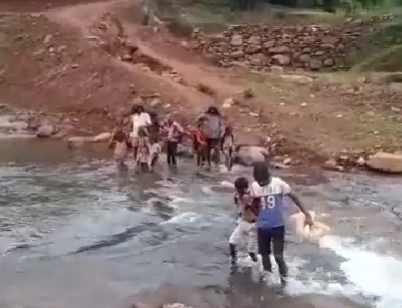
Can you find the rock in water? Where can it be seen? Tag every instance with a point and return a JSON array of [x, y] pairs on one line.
[[248, 155], [102, 137], [385, 162], [45, 131]]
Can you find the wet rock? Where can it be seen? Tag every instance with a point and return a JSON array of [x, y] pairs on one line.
[[385, 162], [104, 137], [332, 165], [45, 131], [248, 155]]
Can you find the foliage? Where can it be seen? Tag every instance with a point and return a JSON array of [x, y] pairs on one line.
[[382, 51]]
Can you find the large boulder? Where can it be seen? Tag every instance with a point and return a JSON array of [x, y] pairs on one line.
[[45, 131], [248, 155], [385, 162]]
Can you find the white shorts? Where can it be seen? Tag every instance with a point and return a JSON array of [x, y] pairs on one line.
[[245, 235]]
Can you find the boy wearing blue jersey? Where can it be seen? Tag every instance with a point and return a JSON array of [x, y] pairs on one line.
[[268, 194]]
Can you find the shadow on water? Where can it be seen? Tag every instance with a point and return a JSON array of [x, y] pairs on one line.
[[117, 239]]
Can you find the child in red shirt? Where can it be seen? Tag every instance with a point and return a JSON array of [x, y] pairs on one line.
[[199, 143]]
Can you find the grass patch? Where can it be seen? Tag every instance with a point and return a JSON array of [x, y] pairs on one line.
[[212, 16], [382, 51], [388, 60]]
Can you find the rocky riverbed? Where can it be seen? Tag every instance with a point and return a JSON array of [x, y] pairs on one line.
[[75, 232]]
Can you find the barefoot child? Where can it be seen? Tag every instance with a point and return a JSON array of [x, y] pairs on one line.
[[144, 150], [199, 143], [227, 146], [174, 136], [120, 141], [156, 149], [245, 230]]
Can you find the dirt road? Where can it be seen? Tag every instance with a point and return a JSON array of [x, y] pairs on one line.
[[88, 61]]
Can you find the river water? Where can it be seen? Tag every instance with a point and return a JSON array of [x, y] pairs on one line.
[[75, 232]]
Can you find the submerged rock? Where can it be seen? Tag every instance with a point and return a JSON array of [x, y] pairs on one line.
[[385, 162]]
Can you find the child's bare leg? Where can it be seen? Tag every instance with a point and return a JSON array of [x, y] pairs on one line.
[[233, 253], [144, 167]]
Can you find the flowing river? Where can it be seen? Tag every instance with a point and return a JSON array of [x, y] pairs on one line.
[[74, 232]]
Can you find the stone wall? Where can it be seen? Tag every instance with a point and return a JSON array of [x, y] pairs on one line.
[[307, 47]]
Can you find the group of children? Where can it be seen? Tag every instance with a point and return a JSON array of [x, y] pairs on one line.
[[145, 143]]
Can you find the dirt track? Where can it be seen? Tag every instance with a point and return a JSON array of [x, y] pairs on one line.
[[74, 59]]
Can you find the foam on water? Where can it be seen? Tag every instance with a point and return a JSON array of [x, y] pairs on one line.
[[370, 277], [185, 218], [373, 274], [227, 184]]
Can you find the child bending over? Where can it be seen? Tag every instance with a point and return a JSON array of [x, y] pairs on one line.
[[120, 141], [245, 230]]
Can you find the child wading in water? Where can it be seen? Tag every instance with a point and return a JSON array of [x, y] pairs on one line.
[[121, 143], [245, 230], [156, 149], [199, 143], [174, 135], [227, 147], [144, 150]]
